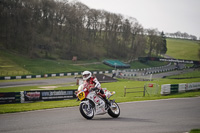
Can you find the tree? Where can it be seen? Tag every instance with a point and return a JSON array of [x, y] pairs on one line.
[[199, 54], [138, 41], [163, 48], [62, 29], [151, 40]]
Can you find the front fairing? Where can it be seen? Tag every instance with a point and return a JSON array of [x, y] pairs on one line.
[[96, 102], [82, 94]]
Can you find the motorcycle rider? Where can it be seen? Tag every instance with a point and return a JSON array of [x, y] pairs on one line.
[[94, 83]]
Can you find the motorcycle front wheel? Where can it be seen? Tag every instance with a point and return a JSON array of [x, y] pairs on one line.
[[114, 110], [87, 111]]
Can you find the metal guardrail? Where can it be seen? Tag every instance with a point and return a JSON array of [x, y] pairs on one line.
[[51, 75], [38, 95]]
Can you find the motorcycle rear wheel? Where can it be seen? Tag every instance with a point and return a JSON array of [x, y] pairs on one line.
[[114, 111], [86, 112]]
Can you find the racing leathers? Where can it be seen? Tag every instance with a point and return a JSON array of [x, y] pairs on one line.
[[92, 82]]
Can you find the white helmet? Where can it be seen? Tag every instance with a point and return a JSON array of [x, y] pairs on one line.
[[86, 75]]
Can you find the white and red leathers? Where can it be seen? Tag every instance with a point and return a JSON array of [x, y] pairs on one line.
[[93, 82]]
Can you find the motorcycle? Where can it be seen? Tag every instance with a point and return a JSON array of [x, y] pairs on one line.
[[93, 104]]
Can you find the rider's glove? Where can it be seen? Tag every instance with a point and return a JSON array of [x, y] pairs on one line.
[[93, 89]]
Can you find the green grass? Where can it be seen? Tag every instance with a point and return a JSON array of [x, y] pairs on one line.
[[12, 64], [15, 64], [118, 87], [195, 131], [182, 49], [9, 67], [11, 108], [194, 74]]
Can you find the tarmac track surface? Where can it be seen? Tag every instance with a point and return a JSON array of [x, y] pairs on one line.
[[73, 80], [37, 82], [159, 116]]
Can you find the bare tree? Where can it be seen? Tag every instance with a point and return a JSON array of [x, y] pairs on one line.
[[152, 40]]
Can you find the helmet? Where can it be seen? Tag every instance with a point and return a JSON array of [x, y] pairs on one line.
[[86, 75]]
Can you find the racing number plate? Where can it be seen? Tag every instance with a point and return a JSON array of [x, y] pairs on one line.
[[81, 96]]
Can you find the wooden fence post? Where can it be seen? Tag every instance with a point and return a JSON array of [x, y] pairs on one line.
[[124, 91]]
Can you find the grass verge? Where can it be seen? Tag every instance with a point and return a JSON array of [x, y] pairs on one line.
[[118, 87], [195, 131]]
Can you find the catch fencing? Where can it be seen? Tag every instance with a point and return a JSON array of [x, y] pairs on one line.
[[150, 89], [134, 90]]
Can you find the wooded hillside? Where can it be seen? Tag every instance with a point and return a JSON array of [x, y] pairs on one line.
[[59, 29]]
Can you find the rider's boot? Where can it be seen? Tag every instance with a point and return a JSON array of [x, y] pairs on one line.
[[106, 100]]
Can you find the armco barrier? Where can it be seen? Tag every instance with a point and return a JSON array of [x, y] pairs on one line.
[[10, 97], [167, 89], [192, 86], [51, 75], [30, 96]]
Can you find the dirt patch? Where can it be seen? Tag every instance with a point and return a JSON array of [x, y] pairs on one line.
[[46, 88]]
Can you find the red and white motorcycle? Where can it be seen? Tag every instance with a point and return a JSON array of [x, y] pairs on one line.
[[93, 104]]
